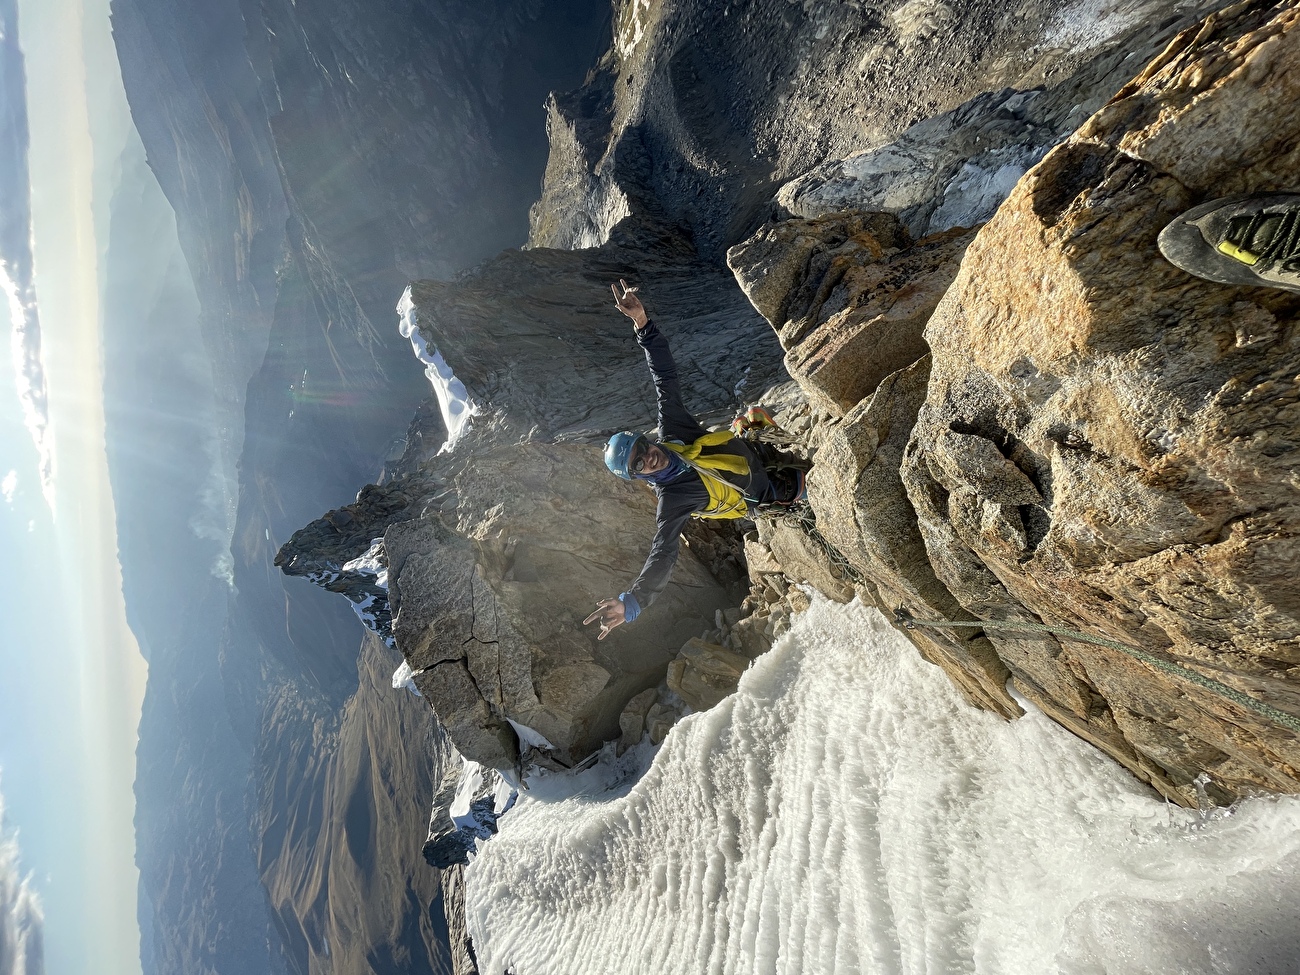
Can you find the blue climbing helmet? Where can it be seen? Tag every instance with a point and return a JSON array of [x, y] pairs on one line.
[[620, 450]]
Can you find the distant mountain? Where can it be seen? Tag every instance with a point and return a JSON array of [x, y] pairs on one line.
[[16, 234], [315, 159]]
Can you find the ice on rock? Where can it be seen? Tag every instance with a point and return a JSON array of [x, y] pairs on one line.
[[365, 610], [462, 809], [529, 738], [845, 811], [453, 398], [404, 677]]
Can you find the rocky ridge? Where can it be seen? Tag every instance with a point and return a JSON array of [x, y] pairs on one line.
[[484, 542], [1103, 445], [1032, 421]]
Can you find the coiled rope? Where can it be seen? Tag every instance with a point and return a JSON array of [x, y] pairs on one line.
[[1278, 717]]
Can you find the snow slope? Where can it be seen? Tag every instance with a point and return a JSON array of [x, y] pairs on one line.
[[846, 811]]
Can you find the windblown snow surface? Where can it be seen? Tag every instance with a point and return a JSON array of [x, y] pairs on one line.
[[846, 811]]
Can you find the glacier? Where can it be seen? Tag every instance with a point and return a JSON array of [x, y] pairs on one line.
[[846, 811]]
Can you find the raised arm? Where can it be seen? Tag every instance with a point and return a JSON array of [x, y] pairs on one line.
[[629, 304], [675, 421]]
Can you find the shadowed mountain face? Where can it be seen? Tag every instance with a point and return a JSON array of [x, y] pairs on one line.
[[316, 158]]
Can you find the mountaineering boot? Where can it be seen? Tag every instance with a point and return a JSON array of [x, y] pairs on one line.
[[1251, 240], [754, 418]]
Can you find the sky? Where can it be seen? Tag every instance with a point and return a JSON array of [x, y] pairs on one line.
[[73, 676]]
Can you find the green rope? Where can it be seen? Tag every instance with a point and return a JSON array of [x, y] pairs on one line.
[[804, 519], [1278, 717]]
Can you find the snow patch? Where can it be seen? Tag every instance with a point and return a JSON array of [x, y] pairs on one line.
[[528, 738], [630, 35], [461, 811], [846, 811], [504, 797], [404, 677], [371, 563], [453, 398], [323, 577], [365, 610]]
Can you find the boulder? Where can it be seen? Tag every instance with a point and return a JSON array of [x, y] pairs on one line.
[[849, 295], [705, 673], [488, 603], [1109, 445], [496, 548], [631, 722], [535, 338], [660, 721], [804, 560]]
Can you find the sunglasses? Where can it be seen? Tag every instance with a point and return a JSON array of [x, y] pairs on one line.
[[640, 454]]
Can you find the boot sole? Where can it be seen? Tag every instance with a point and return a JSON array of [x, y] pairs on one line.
[[1185, 248]]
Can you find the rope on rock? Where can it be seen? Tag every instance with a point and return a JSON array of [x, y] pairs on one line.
[[801, 517], [1279, 717]]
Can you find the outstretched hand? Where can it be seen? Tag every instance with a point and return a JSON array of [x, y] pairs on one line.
[[610, 612], [629, 304]]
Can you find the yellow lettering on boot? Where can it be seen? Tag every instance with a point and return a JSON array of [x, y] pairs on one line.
[[1238, 253]]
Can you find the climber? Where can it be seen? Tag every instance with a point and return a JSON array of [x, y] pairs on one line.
[[1252, 239], [693, 472]]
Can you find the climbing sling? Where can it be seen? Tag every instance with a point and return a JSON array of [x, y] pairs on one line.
[[725, 499]]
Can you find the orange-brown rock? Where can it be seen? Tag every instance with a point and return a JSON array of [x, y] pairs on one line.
[[849, 295], [1110, 445]]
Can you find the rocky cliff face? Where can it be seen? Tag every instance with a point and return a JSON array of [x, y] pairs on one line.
[[1112, 448], [496, 550], [1097, 441], [1037, 421], [700, 112]]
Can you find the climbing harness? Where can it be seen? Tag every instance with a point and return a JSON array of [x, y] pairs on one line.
[[725, 499], [1288, 721]]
